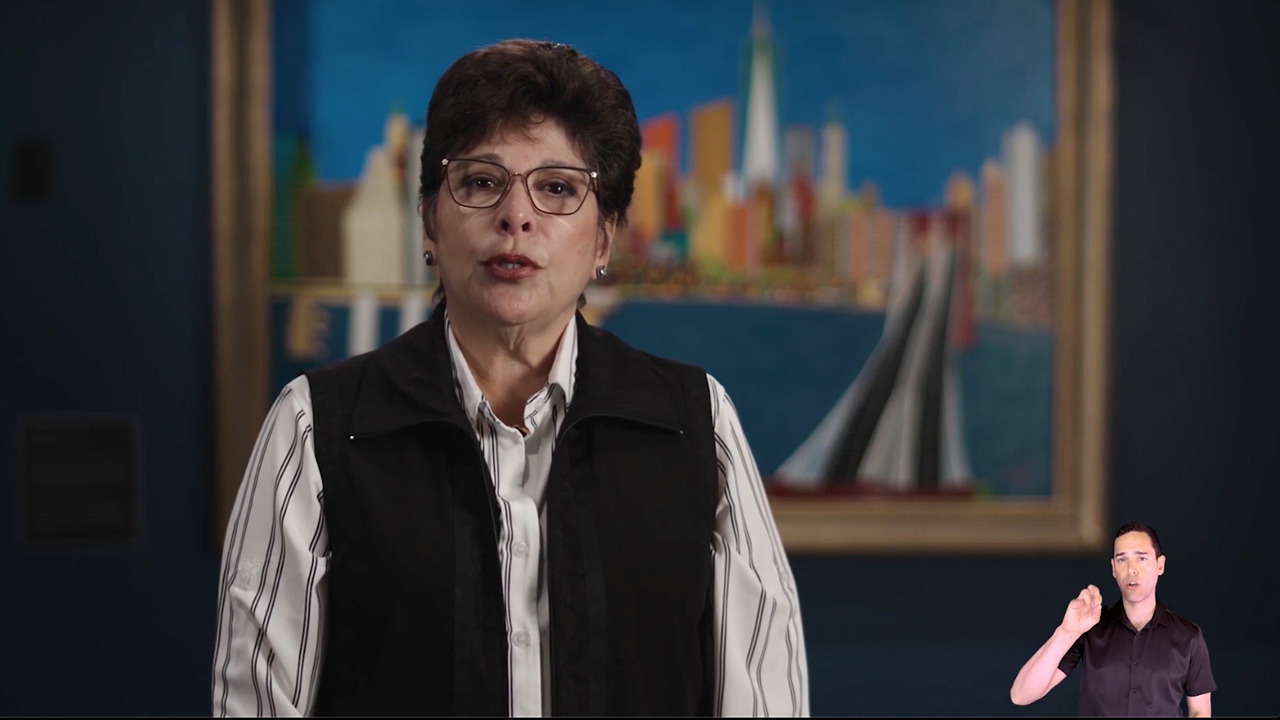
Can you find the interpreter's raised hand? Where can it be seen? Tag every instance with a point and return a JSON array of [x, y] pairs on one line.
[[1083, 612]]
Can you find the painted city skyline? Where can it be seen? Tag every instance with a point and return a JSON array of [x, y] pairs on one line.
[[924, 87], [730, 199], [762, 204], [860, 247]]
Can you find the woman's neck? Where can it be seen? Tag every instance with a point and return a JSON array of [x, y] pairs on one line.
[[509, 364]]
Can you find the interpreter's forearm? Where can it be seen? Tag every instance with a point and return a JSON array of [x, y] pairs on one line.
[[1035, 679]]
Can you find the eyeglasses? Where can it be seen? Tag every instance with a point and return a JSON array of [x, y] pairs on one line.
[[554, 190]]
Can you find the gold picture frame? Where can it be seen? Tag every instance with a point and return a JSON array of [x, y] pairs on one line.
[[1071, 518], [240, 208]]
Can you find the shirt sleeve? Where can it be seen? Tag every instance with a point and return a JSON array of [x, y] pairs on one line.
[[1070, 660], [272, 584], [760, 667], [1199, 674]]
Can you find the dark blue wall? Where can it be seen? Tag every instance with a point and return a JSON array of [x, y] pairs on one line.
[[107, 309]]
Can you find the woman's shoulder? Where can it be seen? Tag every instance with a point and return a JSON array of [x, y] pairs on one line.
[[601, 345], [629, 358], [293, 400], [415, 351], [621, 348], [296, 392]]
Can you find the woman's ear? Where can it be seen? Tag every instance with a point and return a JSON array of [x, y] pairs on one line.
[[604, 240], [428, 213]]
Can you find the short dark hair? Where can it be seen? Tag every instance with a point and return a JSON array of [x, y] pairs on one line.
[[514, 84], [1141, 527]]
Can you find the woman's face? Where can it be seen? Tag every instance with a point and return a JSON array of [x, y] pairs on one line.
[[511, 264]]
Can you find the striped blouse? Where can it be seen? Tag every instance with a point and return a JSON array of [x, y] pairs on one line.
[[270, 641]]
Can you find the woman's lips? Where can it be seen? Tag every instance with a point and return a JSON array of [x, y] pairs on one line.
[[509, 266]]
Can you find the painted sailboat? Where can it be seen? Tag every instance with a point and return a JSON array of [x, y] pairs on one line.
[[898, 427]]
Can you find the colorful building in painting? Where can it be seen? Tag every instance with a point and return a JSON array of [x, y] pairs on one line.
[[709, 187], [763, 209]]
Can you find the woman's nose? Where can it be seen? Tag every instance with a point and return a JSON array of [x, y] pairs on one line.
[[516, 212]]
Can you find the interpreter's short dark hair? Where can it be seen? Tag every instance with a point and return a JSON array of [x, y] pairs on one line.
[[514, 84], [1141, 527]]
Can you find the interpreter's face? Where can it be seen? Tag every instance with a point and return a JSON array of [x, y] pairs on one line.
[[1135, 566], [513, 264]]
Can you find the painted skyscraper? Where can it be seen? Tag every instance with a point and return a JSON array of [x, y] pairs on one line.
[[1020, 149], [710, 174], [760, 138]]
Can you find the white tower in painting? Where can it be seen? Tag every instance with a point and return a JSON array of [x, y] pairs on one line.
[[373, 221], [832, 186], [760, 137], [1020, 150]]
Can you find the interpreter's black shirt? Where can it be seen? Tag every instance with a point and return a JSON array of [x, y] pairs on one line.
[[1128, 673]]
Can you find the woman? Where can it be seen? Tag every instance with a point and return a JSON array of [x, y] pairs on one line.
[[506, 510]]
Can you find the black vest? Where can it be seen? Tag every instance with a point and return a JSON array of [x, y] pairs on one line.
[[415, 615]]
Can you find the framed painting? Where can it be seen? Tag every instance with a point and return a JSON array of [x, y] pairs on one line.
[[882, 225]]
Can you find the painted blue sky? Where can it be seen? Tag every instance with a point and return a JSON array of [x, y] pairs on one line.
[[923, 86]]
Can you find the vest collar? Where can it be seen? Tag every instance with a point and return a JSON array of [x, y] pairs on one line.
[[409, 381]]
